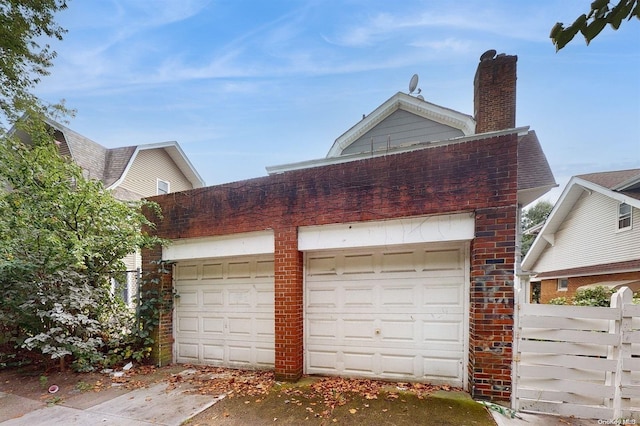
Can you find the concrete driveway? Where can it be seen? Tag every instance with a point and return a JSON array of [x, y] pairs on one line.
[[158, 404]]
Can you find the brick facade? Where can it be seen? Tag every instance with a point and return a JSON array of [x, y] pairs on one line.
[[549, 287], [477, 176]]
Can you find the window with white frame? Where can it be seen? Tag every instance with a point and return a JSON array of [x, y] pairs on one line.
[[563, 284], [624, 216], [163, 187]]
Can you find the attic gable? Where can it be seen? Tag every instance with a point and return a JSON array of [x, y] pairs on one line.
[[402, 120]]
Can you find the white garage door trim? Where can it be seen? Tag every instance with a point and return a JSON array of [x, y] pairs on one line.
[[410, 230], [363, 318], [224, 312], [247, 243]]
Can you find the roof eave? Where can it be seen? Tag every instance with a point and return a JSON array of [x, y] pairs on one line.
[[442, 115], [177, 155], [271, 170], [561, 209]]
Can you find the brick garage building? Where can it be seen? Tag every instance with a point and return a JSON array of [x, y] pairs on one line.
[[394, 262]]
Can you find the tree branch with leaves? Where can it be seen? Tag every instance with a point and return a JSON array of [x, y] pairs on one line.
[[592, 23]]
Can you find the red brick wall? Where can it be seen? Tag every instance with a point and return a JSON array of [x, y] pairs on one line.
[[155, 279], [549, 288], [475, 176], [492, 298], [289, 345], [495, 94]]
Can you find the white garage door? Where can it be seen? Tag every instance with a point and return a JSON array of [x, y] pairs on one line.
[[224, 312], [388, 313]]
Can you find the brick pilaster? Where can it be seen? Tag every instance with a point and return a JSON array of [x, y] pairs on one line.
[[492, 298], [289, 333], [160, 284]]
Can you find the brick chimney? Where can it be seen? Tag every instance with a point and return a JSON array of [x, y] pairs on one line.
[[494, 103]]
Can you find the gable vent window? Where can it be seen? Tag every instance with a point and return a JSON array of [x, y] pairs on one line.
[[624, 216], [163, 187], [563, 284]]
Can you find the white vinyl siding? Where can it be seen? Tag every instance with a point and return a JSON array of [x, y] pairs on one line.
[[149, 166], [589, 236]]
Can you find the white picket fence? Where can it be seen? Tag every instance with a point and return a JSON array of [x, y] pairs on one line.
[[579, 361]]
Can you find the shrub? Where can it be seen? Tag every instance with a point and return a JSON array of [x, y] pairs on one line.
[[594, 296]]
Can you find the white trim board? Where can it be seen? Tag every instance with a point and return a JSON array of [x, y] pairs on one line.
[[411, 230], [248, 243]]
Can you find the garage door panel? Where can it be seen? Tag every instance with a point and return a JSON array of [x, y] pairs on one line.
[[323, 328], [322, 360], [212, 353], [441, 368], [212, 298], [187, 272], [395, 365], [322, 298], [358, 297], [212, 271], [265, 328], [396, 331], [442, 331], [358, 264], [443, 260], [358, 329], [443, 294], [189, 297], [265, 356], [239, 354], [399, 262], [213, 326], [387, 313], [225, 312], [188, 350], [188, 324], [264, 297]]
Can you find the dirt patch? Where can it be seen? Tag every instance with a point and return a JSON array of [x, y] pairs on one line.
[[256, 398], [34, 383], [388, 408]]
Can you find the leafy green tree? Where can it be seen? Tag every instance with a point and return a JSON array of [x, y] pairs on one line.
[[61, 237], [531, 217], [24, 60], [591, 24]]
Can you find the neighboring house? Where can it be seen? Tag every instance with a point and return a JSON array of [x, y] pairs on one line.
[[131, 173], [394, 257], [591, 237]]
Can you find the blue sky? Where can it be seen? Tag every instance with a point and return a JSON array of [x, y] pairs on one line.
[[242, 85]]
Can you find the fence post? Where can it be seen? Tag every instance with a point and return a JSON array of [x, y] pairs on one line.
[[621, 352]]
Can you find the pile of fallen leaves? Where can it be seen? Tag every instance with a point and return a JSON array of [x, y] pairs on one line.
[[208, 380], [338, 391], [130, 379], [322, 396]]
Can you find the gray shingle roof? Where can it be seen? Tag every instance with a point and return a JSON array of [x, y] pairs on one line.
[[533, 168], [611, 180]]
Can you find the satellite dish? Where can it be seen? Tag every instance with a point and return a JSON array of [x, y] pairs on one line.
[[413, 83]]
